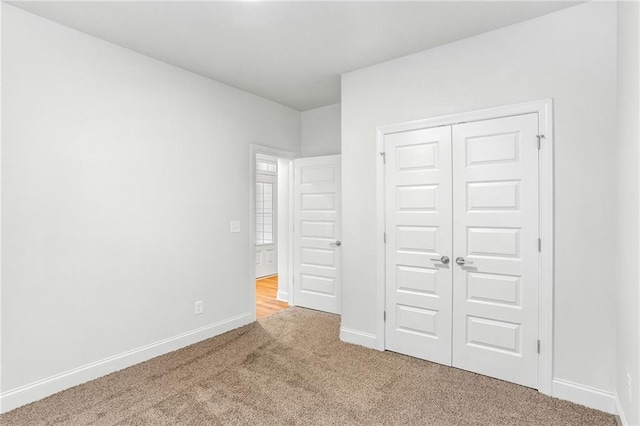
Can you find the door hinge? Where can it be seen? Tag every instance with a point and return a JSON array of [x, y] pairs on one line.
[[538, 346], [384, 237], [540, 137], [539, 245], [384, 157], [384, 315]]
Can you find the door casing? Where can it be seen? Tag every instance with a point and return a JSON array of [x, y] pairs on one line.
[[544, 109]]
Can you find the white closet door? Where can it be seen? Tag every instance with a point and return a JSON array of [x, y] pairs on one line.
[[495, 290], [418, 229], [317, 233]]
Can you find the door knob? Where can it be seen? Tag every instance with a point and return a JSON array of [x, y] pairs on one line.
[[443, 259], [336, 244], [460, 261]]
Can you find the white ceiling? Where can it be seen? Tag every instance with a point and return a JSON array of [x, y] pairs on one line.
[[290, 52]]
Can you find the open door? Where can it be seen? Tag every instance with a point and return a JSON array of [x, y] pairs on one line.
[[317, 233]]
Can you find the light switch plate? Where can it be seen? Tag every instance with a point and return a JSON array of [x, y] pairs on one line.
[[235, 226]]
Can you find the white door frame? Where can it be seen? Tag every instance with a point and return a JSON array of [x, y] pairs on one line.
[[544, 108], [273, 152]]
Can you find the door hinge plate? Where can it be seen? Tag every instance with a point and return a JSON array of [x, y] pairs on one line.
[[539, 245], [384, 237], [384, 157], [384, 315], [538, 346], [540, 137]]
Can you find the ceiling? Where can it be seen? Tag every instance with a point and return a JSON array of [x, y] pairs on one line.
[[289, 52]]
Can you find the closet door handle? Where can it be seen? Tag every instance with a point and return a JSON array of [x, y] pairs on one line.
[[460, 261], [443, 259]]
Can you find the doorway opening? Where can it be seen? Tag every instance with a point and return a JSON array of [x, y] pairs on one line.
[[270, 229], [300, 268], [266, 231]]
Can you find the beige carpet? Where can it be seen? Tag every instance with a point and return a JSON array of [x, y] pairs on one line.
[[289, 369]]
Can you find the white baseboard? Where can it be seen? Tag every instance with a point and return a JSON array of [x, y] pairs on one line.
[[358, 337], [622, 419], [282, 296], [22, 395], [585, 395]]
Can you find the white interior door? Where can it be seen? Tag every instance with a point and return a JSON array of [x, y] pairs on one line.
[[469, 192], [418, 243], [495, 280], [317, 233], [266, 225]]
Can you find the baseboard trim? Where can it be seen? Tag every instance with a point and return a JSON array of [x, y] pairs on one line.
[[620, 417], [282, 296], [585, 395], [358, 337], [22, 395]]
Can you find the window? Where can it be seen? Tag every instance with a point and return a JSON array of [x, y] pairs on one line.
[[264, 213], [266, 166]]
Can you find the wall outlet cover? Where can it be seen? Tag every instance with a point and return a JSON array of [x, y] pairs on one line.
[[235, 226], [199, 307]]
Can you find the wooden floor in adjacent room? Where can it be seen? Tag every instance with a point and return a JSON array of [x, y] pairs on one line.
[[266, 302]]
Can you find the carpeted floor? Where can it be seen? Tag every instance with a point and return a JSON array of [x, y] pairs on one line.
[[291, 368]]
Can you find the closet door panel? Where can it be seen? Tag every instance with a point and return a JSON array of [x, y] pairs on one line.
[[418, 227], [495, 280]]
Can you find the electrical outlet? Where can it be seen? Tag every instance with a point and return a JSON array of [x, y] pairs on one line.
[[235, 226], [629, 388], [199, 307]]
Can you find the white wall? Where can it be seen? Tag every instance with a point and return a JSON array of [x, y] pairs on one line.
[[321, 131], [569, 56], [120, 175], [628, 214]]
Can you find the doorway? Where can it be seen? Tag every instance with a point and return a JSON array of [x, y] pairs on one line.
[[465, 211], [266, 215], [266, 230], [271, 230], [294, 231]]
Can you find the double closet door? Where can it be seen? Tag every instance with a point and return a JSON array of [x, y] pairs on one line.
[[461, 212]]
